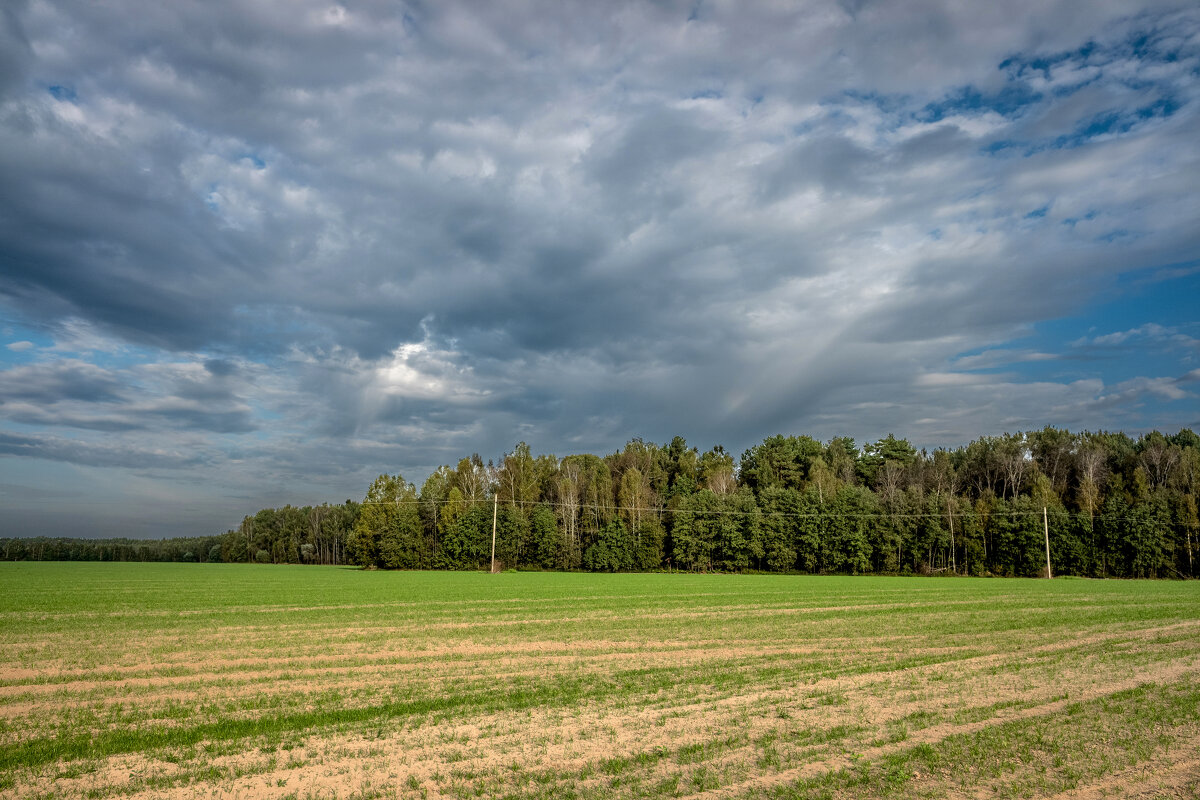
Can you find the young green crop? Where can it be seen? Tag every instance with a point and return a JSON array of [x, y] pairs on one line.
[[318, 682]]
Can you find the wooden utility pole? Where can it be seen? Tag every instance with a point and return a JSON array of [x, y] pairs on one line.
[[953, 563], [495, 507], [1046, 523]]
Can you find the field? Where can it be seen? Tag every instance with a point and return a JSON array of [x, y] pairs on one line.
[[238, 681]]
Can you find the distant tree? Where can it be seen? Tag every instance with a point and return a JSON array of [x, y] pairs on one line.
[[1053, 450], [466, 540], [717, 471], [517, 479], [648, 544], [780, 509], [842, 457], [682, 465], [546, 538], [693, 532], [851, 519], [887, 450], [513, 537], [388, 531], [782, 461], [1114, 506], [612, 551], [1159, 457]]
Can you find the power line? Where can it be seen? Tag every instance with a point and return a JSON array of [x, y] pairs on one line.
[[885, 515]]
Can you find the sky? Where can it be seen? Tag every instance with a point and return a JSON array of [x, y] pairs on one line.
[[257, 252]]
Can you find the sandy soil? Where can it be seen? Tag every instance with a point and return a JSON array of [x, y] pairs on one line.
[[853, 687]]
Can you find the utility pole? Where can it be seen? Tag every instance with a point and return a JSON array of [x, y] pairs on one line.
[[495, 507], [1046, 524], [953, 563]]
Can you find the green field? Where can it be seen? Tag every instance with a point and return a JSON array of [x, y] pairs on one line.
[[152, 680]]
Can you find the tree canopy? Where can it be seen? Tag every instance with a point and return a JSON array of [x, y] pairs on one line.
[[1115, 506]]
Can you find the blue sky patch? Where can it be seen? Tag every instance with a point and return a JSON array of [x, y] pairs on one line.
[[1007, 102], [65, 93]]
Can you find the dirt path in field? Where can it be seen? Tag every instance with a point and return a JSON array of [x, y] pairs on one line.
[[972, 663], [489, 744], [587, 734], [936, 733], [296, 676], [782, 597], [232, 662], [497, 654], [403, 646], [369, 684], [1162, 778]]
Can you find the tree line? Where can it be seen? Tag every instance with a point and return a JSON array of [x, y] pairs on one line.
[[43, 548], [1114, 506], [288, 535]]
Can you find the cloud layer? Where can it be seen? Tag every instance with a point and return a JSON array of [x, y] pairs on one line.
[[256, 253]]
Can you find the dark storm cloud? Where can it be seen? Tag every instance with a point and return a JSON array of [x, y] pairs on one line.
[[54, 448], [15, 52], [61, 380], [90, 230], [220, 367], [74, 394], [237, 421], [460, 227], [830, 164], [306, 242], [638, 160]]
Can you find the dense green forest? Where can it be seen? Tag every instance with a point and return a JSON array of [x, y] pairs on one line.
[[1115, 507]]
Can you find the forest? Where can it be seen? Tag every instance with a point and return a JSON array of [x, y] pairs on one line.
[[1114, 506]]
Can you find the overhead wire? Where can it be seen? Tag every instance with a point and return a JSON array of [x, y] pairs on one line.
[[881, 514]]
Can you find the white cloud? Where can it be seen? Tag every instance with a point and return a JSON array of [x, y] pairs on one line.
[[1150, 331], [991, 359], [411, 232]]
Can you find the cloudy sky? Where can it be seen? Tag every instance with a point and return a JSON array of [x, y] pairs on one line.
[[259, 251]]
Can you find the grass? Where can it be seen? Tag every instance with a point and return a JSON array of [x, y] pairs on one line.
[[301, 682]]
